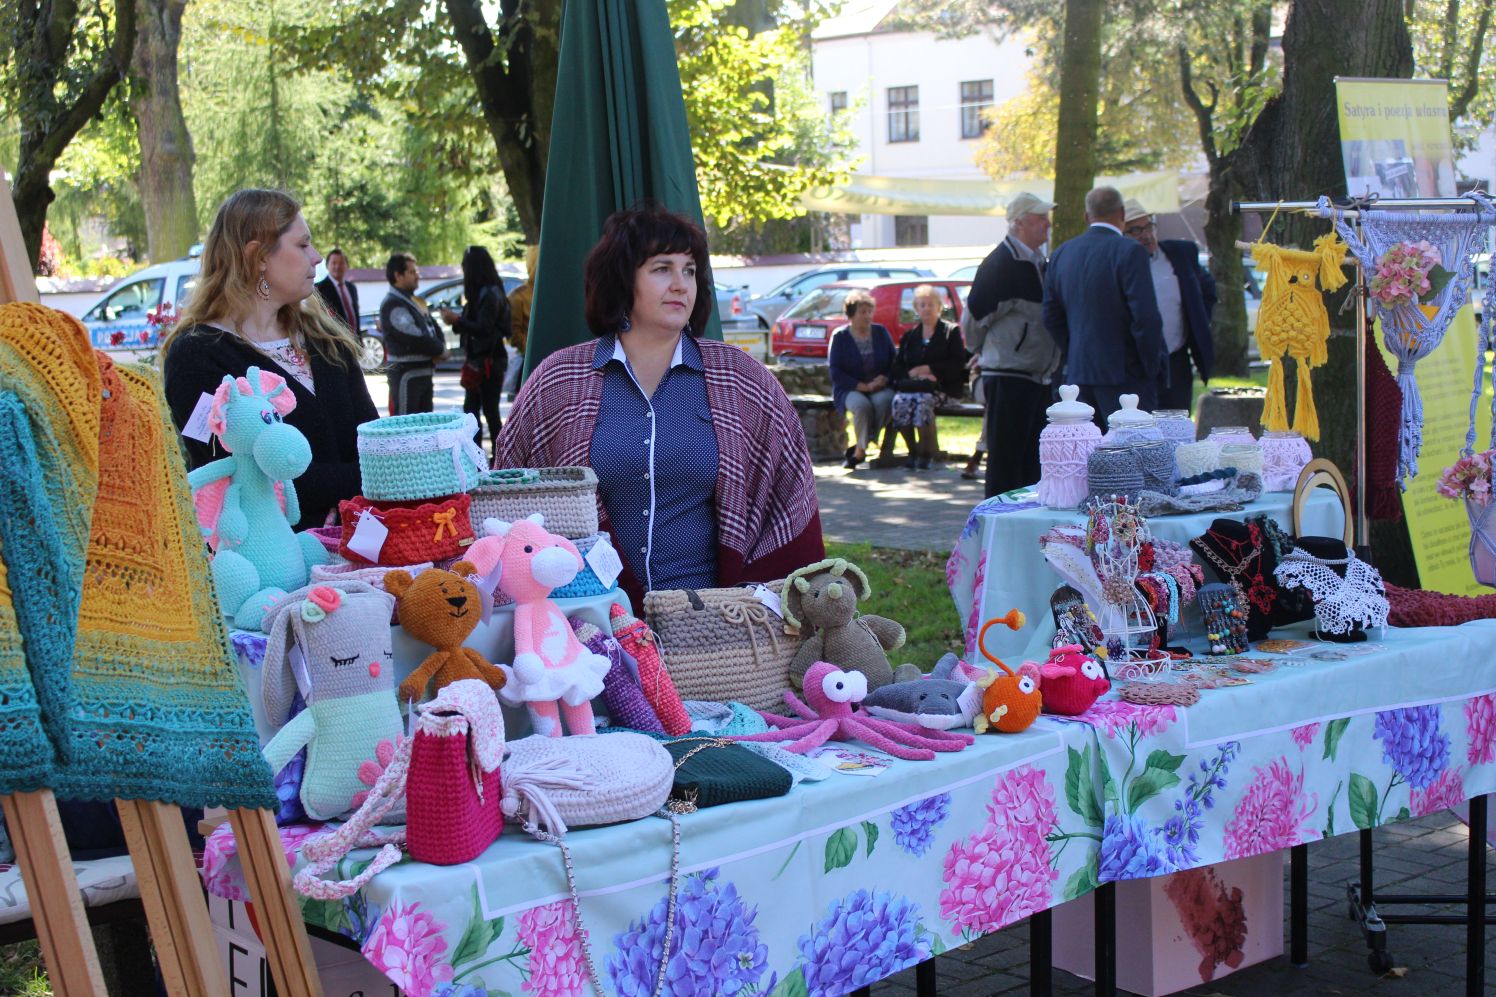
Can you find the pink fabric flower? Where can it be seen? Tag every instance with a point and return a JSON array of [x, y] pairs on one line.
[[371, 769], [974, 619], [1023, 798], [221, 873], [1304, 736], [1443, 793], [1480, 729], [1272, 814], [556, 967], [406, 946], [1112, 716], [996, 877]]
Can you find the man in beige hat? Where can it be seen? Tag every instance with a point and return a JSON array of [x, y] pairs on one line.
[[1004, 327], [1186, 296]]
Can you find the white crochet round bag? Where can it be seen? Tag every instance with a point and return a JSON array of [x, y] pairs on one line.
[[580, 780]]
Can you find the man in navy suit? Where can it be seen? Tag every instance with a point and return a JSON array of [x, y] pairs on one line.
[[1100, 308], [340, 295], [1186, 294]]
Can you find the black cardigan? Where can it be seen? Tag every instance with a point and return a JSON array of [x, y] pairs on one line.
[[196, 364], [945, 353]]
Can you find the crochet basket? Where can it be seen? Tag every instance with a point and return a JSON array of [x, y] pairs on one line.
[[722, 644], [586, 584], [565, 496], [582, 781], [419, 531], [419, 456]]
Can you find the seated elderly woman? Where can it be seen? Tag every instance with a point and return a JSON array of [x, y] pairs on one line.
[[929, 368], [861, 359], [704, 475]]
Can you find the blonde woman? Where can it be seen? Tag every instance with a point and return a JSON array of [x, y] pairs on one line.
[[255, 306], [930, 366]]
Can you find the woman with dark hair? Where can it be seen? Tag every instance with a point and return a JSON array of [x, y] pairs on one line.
[[481, 327], [704, 476], [255, 305], [861, 360]]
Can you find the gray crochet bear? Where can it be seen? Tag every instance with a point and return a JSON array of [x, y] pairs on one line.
[[824, 596]]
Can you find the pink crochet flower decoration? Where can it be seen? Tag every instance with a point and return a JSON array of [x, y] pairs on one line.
[[1273, 812], [371, 769], [406, 946]]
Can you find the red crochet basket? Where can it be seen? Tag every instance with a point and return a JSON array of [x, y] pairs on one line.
[[418, 531]]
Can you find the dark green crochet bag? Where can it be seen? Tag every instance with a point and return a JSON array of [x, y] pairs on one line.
[[710, 771]]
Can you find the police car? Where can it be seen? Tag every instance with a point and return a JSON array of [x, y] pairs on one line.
[[133, 313]]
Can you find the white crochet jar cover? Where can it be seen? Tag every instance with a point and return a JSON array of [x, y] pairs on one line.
[[1283, 457], [1341, 605]]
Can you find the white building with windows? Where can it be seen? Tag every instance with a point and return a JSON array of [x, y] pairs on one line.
[[915, 102]]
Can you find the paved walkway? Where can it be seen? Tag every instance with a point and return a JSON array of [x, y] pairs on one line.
[[926, 510]]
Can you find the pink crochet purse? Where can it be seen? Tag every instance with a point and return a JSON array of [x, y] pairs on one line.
[[449, 774]]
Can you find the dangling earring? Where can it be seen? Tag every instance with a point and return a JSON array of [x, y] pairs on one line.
[[625, 325], [263, 287]]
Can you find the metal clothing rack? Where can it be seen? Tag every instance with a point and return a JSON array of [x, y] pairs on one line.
[[1361, 897]]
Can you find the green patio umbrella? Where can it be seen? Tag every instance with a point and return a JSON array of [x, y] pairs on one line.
[[618, 136]]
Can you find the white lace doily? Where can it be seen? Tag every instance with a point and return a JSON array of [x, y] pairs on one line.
[[1341, 605]]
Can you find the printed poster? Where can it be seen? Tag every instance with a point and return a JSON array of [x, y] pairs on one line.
[[1394, 137]]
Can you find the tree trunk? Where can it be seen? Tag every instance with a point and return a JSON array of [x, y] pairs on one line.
[[1075, 139], [516, 93], [56, 97], [1222, 230], [1292, 152], [166, 154]]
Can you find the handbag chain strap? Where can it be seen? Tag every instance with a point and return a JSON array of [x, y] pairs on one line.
[[576, 902], [687, 805]]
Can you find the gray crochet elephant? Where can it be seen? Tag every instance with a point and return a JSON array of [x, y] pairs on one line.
[[824, 596]]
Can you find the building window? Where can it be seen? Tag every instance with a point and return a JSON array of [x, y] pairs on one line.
[[976, 97], [838, 101], [911, 230], [903, 114]]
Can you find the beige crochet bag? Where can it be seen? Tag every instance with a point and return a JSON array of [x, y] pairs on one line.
[[723, 644]]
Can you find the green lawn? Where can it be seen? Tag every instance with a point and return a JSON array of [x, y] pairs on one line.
[[909, 586]]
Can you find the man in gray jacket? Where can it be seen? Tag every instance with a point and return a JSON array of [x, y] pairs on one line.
[[412, 340], [1004, 326]]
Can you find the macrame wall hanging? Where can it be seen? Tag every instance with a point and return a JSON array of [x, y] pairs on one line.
[[1292, 321], [1413, 324], [1483, 515]]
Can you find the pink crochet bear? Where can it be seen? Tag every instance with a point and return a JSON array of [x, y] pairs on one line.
[[553, 674]]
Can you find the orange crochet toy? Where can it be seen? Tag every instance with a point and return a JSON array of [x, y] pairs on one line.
[[441, 608]]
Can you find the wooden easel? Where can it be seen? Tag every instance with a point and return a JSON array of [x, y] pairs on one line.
[[164, 869]]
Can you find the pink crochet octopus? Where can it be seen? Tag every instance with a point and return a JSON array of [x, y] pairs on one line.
[[829, 717]]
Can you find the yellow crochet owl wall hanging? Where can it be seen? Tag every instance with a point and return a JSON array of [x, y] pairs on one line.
[[1292, 321]]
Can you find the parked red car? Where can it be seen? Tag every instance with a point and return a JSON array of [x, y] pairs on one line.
[[804, 330]]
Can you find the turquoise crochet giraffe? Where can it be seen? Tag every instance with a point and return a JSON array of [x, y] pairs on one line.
[[246, 502]]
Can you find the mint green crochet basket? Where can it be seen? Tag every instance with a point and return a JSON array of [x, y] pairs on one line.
[[424, 455]]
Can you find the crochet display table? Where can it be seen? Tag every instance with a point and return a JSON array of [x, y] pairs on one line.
[[996, 564], [850, 879], [494, 639]]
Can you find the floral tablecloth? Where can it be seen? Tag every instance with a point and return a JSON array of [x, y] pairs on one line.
[[996, 565], [850, 879]]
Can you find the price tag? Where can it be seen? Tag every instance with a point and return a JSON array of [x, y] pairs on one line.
[[767, 596], [197, 425], [368, 536], [604, 562]]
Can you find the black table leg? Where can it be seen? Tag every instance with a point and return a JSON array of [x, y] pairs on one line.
[[1475, 912], [861, 992], [924, 978], [1106, 940], [1041, 954], [1298, 905]]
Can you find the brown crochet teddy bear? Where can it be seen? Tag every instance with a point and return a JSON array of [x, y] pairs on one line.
[[824, 595], [441, 608]]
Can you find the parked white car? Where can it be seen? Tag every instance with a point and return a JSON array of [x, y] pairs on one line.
[[126, 317]]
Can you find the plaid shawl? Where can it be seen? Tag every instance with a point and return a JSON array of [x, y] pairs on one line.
[[768, 522]]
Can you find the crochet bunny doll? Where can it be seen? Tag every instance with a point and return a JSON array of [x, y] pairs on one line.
[[553, 674], [338, 639]]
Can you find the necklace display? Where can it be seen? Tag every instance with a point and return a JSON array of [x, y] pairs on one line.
[[1258, 593]]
